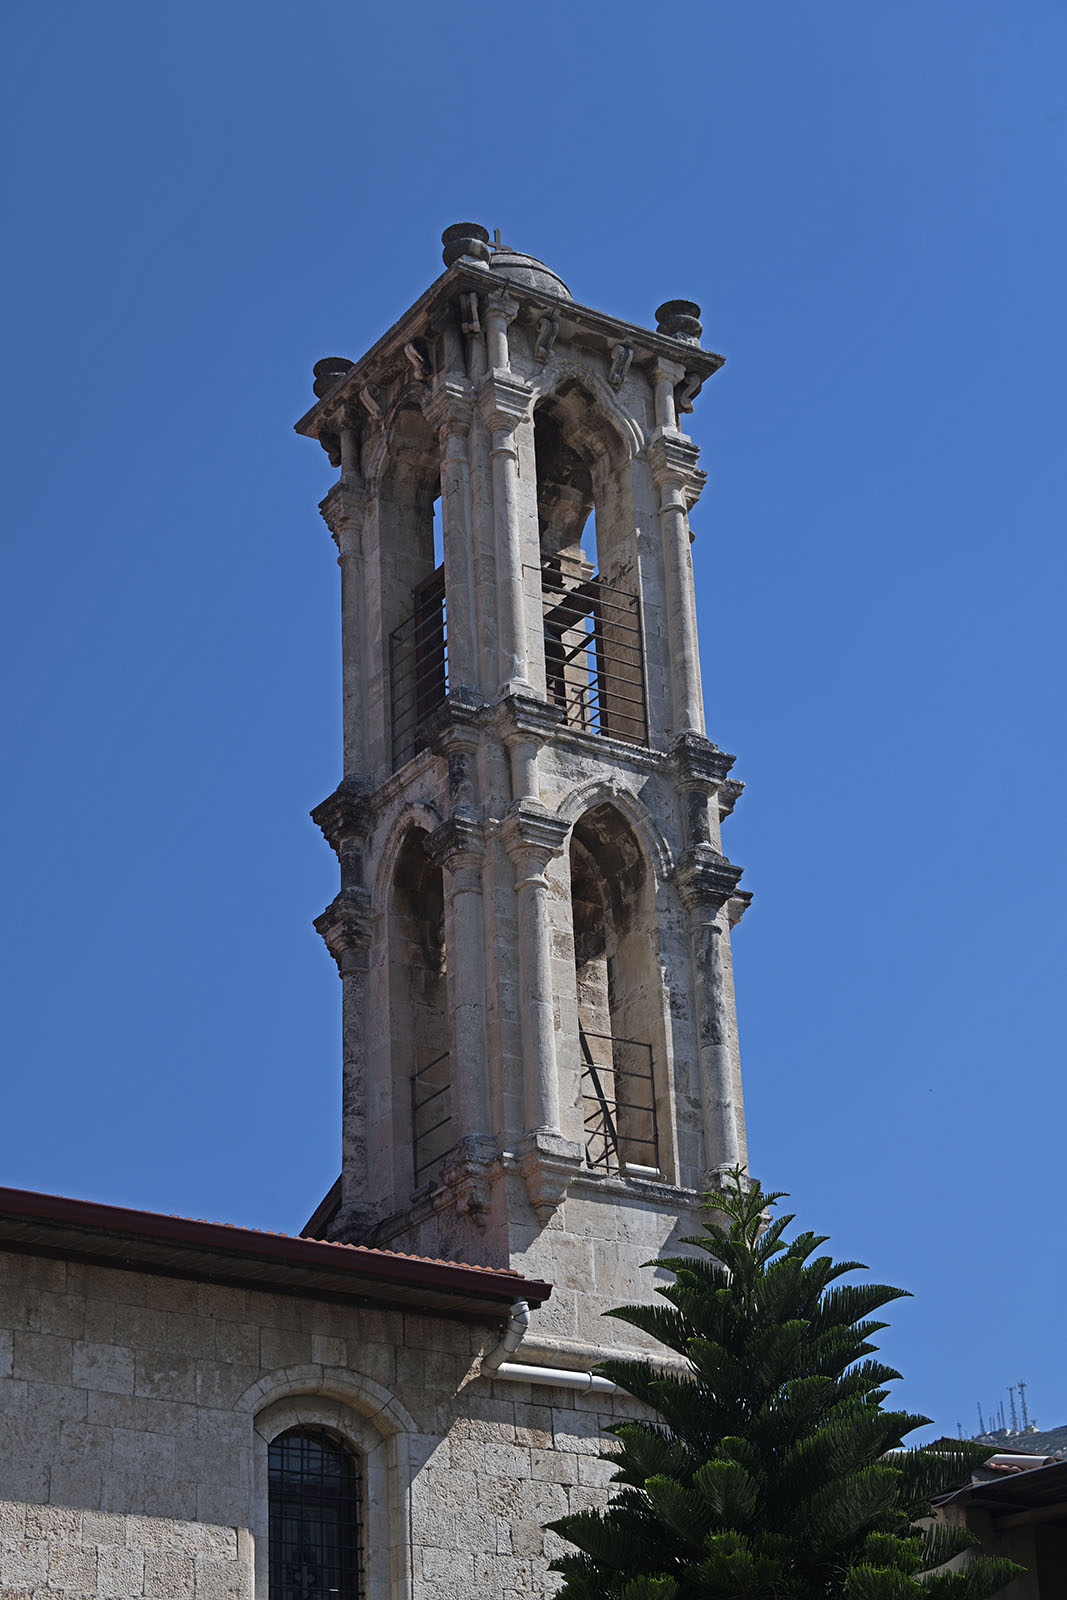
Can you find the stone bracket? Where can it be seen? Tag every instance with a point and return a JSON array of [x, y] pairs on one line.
[[673, 459], [345, 927], [695, 760], [343, 509], [467, 1178], [529, 830], [705, 878], [504, 401], [459, 841], [548, 1164]]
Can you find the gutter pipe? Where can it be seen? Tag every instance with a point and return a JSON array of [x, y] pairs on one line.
[[494, 1363]]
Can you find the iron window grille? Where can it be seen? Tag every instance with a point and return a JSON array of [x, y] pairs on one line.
[[418, 666], [594, 652], [619, 1104], [431, 1117], [315, 1522]]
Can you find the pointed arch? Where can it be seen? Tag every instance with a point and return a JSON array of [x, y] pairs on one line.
[[601, 791]]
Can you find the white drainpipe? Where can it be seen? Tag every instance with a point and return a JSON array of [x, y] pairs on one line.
[[495, 1365]]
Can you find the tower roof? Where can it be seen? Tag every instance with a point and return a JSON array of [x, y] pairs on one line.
[[518, 267]]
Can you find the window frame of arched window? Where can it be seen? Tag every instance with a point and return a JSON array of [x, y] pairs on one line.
[[314, 1516], [381, 1525]]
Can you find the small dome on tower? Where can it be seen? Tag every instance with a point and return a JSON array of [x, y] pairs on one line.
[[527, 270]]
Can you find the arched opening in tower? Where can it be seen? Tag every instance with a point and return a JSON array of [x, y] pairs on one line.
[[419, 1010], [620, 995], [594, 655]]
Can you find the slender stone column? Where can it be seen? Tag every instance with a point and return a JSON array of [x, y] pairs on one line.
[[346, 927], [504, 401], [344, 510], [450, 410], [673, 459], [458, 847], [706, 881]]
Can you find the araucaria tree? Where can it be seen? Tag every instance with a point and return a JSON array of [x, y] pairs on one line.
[[771, 1470]]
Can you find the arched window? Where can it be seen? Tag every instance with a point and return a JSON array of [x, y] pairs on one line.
[[620, 996], [594, 653], [315, 1504], [412, 574], [419, 1015]]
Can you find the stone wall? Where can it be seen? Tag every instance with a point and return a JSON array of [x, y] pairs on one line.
[[135, 1412]]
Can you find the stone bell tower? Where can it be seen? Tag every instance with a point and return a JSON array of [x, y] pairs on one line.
[[533, 925]]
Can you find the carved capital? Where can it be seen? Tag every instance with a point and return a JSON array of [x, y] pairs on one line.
[[698, 763], [343, 815], [354, 1223], [504, 401], [450, 408], [673, 459], [532, 835], [343, 511], [459, 842], [706, 879], [345, 927], [730, 793], [673, 371], [737, 905], [520, 717], [498, 303], [548, 1163]]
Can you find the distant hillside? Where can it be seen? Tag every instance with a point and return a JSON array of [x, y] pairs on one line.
[[1053, 1442]]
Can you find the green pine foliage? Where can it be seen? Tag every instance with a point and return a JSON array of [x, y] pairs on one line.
[[771, 1470]]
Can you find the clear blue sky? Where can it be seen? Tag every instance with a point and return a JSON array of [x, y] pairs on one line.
[[868, 201]]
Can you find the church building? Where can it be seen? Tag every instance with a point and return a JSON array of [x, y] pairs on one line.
[[540, 1073]]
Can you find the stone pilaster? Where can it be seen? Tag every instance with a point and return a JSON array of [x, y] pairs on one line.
[[700, 769], [344, 510], [450, 411], [707, 883], [673, 460], [346, 928], [532, 836]]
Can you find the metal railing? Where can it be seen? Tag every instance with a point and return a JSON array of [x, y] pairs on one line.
[[619, 1104], [594, 652], [431, 1117], [418, 666]]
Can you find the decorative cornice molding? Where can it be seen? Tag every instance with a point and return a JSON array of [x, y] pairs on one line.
[[706, 879]]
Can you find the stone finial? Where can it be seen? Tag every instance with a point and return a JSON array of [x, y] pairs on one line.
[[465, 239], [680, 319], [328, 373]]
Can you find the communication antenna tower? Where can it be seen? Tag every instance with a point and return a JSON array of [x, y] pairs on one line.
[[981, 1419], [1022, 1402], [1014, 1418]]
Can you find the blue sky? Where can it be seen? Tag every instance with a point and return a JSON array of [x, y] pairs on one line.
[[867, 201]]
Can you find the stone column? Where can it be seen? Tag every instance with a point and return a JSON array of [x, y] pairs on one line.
[[344, 510], [706, 882], [504, 401], [673, 460], [450, 410], [346, 927]]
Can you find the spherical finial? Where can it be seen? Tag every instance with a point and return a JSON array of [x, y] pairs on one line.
[[680, 319], [465, 239], [328, 373]]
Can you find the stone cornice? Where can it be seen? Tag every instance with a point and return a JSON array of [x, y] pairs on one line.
[[504, 400], [696, 762], [705, 878], [345, 814], [729, 794], [464, 277]]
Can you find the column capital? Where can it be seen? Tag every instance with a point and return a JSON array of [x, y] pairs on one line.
[[673, 458], [697, 763], [501, 304], [450, 408], [345, 927], [504, 401], [519, 717], [706, 879], [343, 815], [343, 510], [663, 367], [456, 723], [458, 842], [532, 835]]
